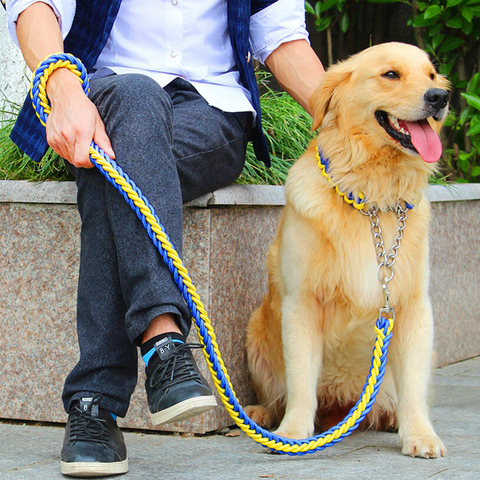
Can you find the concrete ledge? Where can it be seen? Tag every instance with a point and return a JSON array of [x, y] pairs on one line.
[[454, 193], [39, 241], [21, 191], [65, 193]]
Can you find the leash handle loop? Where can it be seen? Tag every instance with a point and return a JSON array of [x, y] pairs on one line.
[[40, 77]]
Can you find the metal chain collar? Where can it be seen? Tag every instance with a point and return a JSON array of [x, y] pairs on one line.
[[386, 261]]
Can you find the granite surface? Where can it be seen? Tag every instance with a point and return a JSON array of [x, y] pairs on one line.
[[40, 245], [455, 279], [224, 251]]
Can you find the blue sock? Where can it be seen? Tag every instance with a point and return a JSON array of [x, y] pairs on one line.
[[148, 356]]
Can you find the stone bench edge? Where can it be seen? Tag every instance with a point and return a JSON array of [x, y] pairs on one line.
[[22, 191]]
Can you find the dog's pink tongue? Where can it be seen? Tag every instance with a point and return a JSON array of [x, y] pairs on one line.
[[425, 140]]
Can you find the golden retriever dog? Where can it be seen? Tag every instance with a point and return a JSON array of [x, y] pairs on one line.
[[310, 343]]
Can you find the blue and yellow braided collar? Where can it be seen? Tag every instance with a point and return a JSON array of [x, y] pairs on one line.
[[358, 201]]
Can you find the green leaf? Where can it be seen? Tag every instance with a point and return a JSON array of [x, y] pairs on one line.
[[475, 120], [323, 23], [420, 21], [329, 4], [451, 43], [475, 11], [309, 8], [437, 40], [446, 68], [450, 64], [318, 9], [462, 180], [454, 22], [463, 164], [463, 116], [344, 23], [475, 171], [474, 130], [467, 27], [472, 100], [449, 122], [452, 3], [467, 13], [432, 11], [473, 84], [434, 29]]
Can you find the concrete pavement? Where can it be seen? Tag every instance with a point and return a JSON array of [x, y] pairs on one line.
[[29, 452]]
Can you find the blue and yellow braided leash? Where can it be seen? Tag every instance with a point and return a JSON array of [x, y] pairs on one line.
[[156, 232]]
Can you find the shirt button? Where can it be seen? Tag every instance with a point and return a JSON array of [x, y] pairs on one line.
[[174, 2], [173, 53]]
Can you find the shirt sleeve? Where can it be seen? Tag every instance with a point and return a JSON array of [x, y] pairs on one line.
[[280, 22], [64, 10]]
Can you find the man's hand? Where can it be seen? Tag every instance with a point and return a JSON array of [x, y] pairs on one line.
[[74, 120]]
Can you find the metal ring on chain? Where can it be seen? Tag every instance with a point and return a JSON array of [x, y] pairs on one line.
[[386, 261], [146, 213]]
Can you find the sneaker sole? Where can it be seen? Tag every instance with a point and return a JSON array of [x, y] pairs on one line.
[[93, 469], [184, 410]]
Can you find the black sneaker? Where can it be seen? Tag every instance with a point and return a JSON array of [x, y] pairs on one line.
[[93, 444], [175, 388]]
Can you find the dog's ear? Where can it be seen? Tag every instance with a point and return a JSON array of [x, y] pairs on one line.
[[332, 80]]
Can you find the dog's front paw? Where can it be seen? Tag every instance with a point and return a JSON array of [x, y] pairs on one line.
[[259, 414], [289, 434], [426, 446], [296, 424], [293, 433]]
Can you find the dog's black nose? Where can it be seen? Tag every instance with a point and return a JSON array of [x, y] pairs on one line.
[[437, 98]]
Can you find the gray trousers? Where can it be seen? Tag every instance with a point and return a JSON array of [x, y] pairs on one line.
[[175, 147]]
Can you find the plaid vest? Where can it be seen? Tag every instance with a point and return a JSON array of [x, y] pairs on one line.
[[91, 28]]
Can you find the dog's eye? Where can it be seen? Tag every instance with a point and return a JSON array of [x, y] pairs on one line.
[[432, 76], [391, 74]]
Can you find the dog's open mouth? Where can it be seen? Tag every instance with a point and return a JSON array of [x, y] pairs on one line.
[[419, 137]]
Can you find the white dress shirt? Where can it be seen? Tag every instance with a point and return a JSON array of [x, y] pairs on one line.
[[167, 39]]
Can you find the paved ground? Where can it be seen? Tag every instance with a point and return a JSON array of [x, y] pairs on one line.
[[32, 452]]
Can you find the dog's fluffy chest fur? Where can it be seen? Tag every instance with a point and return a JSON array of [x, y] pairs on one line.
[[340, 253]]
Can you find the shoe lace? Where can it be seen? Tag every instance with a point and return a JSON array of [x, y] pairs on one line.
[[87, 428], [177, 368]]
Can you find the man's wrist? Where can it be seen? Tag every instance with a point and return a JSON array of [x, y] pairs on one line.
[[61, 79]]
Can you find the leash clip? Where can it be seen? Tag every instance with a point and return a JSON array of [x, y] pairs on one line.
[[387, 309]]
